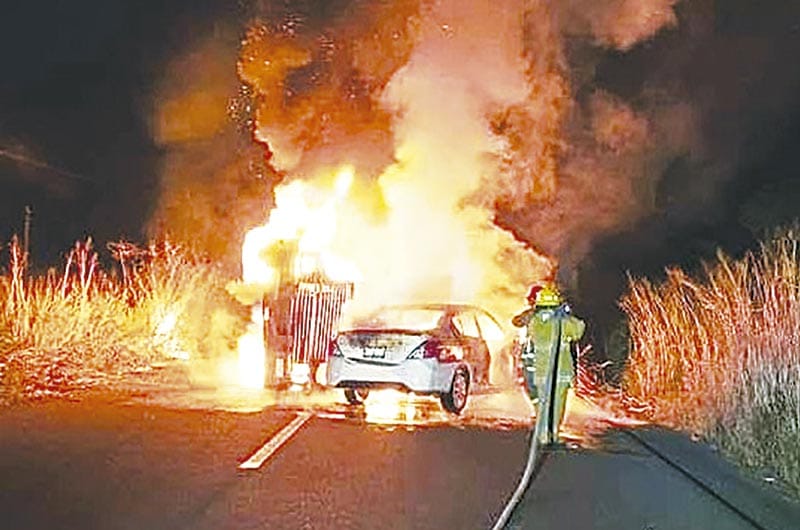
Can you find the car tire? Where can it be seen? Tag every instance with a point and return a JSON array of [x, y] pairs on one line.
[[356, 396], [455, 399]]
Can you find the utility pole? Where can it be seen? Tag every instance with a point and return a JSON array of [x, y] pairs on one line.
[[26, 236]]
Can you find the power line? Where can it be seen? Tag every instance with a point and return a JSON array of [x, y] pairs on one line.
[[44, 165]]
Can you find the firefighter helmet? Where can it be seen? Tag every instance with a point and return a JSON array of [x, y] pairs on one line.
[[544, 296], [533, 293]]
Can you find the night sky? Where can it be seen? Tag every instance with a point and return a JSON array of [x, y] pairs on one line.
[[77, 78], [74, 95], [737, 62]]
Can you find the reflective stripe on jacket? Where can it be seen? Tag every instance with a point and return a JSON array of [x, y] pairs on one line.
[[541, 323]]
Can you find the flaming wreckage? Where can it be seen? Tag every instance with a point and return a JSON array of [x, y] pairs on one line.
[[435, 349], [300, 317]]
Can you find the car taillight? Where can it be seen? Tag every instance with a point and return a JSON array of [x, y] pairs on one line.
[[445, 353], [432, 350], [426, 350], [436, 350], [333, 349]]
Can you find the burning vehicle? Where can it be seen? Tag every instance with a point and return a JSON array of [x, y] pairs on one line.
[[304, 269], [435, 349]]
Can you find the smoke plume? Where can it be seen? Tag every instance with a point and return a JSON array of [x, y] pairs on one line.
[[463, 119], [482, 160], [619, 24], [215, 183]]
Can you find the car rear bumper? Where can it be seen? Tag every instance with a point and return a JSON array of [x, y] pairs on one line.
[[416, 375]]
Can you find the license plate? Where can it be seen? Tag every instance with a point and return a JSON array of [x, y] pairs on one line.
[[374, 353]]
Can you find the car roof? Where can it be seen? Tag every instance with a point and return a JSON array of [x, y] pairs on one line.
[[444, 307]]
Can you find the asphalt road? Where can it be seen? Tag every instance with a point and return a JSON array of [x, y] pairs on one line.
[[174, 461], [620, 486], [95, 464]]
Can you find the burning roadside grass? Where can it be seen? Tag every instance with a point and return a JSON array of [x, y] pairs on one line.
[[83, 326], [721, 356]]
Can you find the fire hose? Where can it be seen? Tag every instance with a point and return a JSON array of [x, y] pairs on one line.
[[544, 419]]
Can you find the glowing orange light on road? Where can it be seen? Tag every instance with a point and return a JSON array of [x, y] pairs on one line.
[[251, 366]]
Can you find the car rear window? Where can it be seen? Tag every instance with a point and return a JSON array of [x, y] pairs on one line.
[[465, 322], [412, 319], [490, 330]]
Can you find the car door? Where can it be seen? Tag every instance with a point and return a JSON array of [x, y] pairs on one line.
[[501, 344], [492, 333], [476, 351]]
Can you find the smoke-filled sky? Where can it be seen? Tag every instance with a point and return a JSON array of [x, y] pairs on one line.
[[610, 135]]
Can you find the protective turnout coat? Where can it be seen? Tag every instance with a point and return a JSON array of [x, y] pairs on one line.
[[542, 325]]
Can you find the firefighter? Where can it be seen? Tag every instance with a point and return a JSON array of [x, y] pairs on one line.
[[550, 329]]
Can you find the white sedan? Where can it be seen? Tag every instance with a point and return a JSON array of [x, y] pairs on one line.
[[436, 349]]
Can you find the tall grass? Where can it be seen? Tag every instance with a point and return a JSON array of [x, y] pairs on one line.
[[720, 355], [156, 303]]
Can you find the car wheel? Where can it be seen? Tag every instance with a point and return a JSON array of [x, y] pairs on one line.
[[455, 399], [356, 396]]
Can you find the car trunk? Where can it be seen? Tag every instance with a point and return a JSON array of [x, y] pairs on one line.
[[381, 347]]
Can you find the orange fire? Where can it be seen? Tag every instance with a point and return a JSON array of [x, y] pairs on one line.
[[453, 115], [389, 406], [305, 214], [422, 248], [417, 225], [251, 366], [165, 335]]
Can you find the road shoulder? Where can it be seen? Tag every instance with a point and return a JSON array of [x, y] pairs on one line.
[[764, 504]]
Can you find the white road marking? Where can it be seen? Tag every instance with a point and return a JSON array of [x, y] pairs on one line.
[[331, 415], [273, 444]]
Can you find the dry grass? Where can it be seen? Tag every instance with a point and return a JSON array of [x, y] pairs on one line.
[[720, 356], [157, 303]]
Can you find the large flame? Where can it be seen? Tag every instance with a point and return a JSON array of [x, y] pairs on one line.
[[472, 99], [421, 229], [252, 357], [376, 83], [306, 213]]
